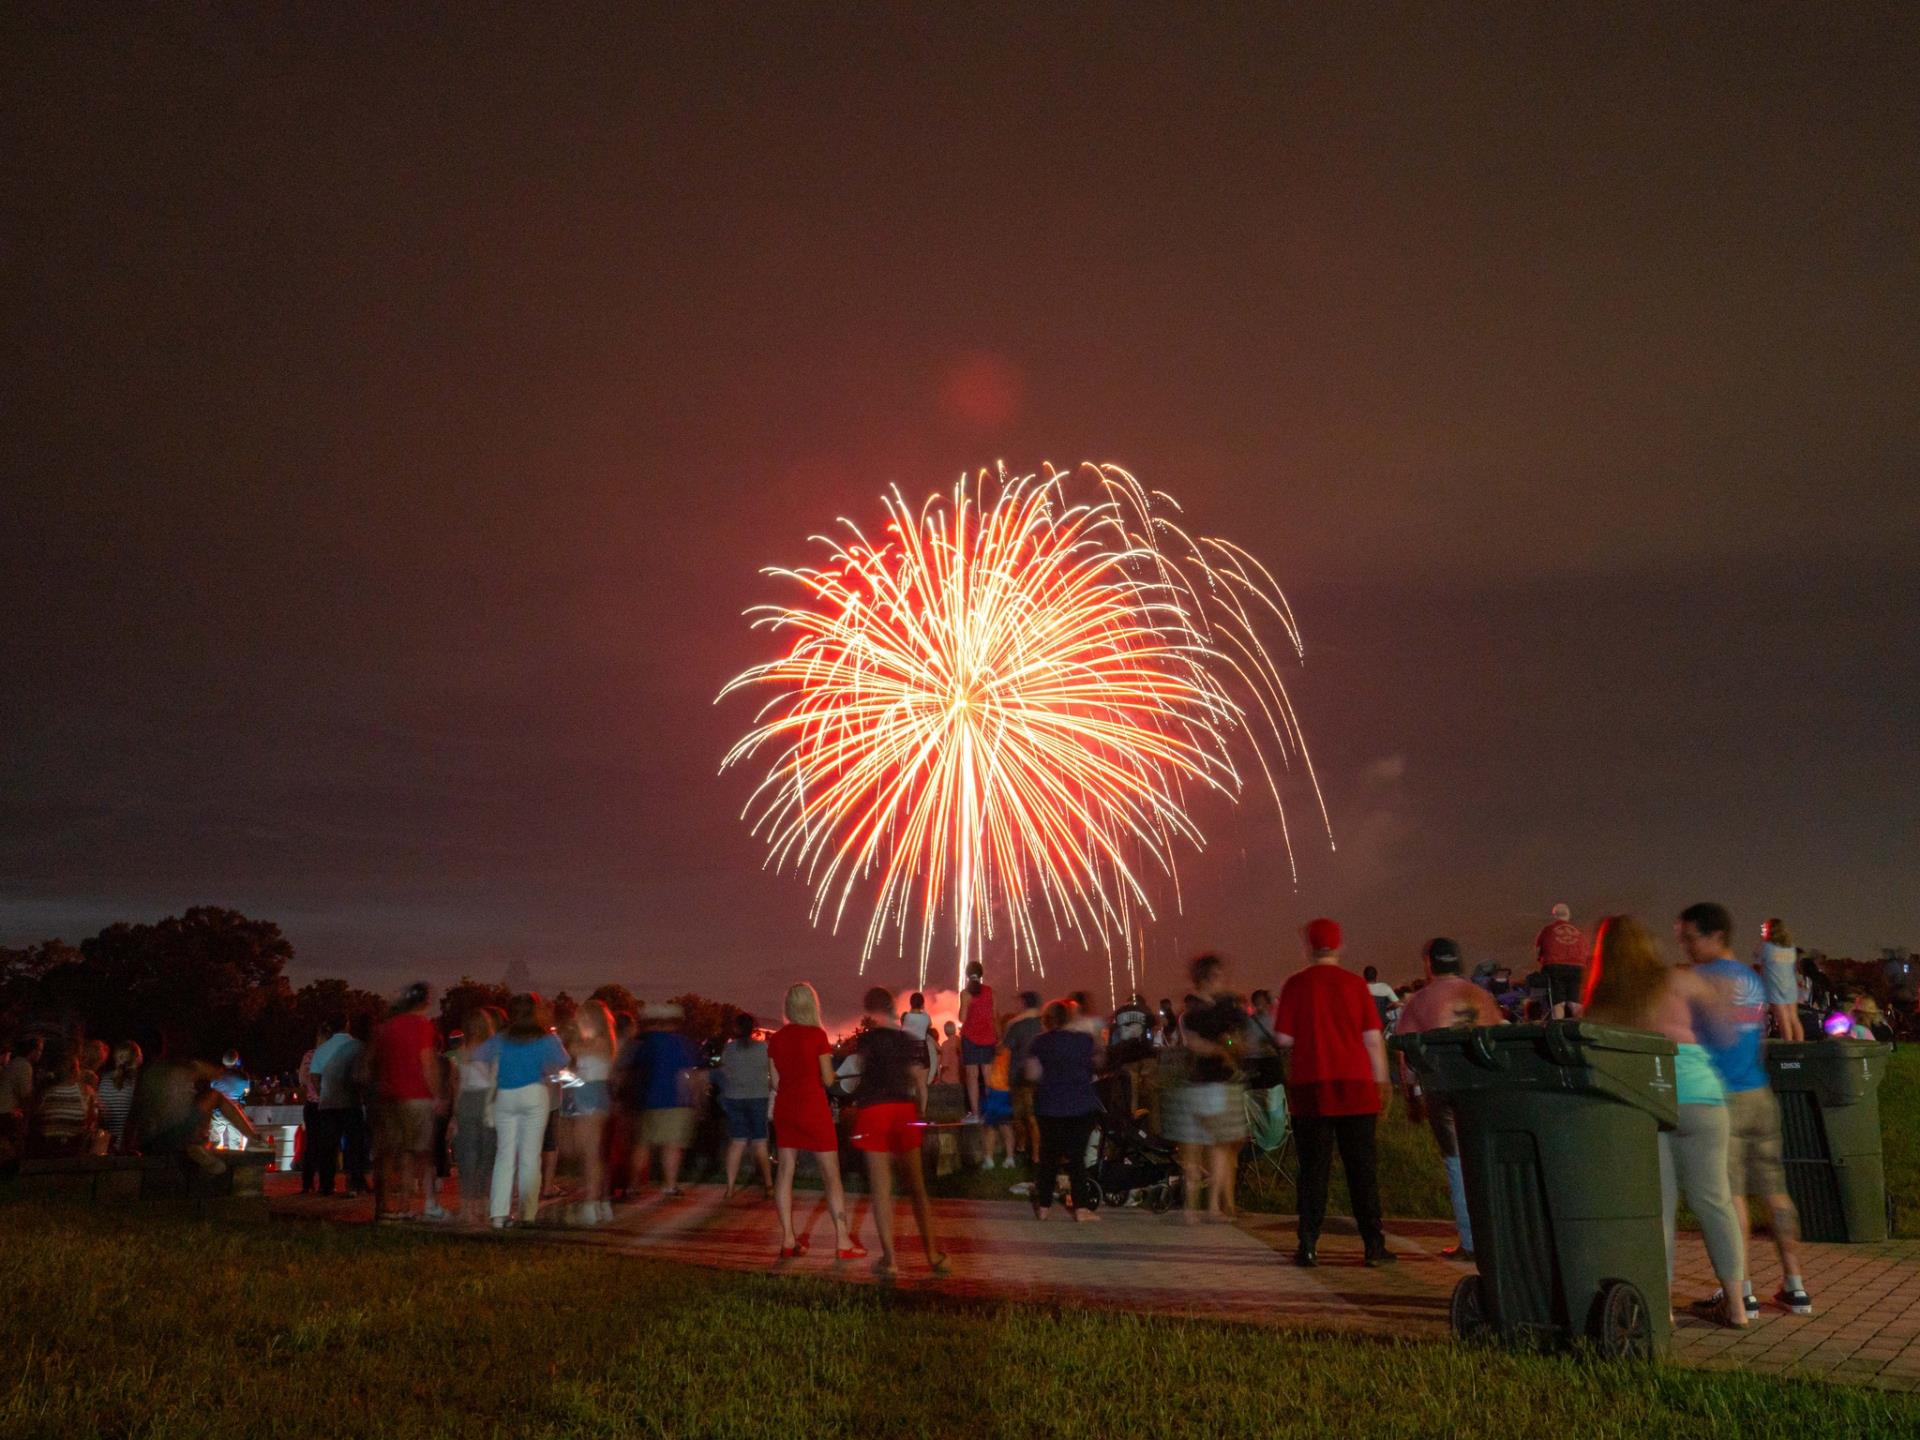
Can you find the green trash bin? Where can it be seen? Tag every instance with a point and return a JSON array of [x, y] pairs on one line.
[[1829, 1092], [1559, 1144]]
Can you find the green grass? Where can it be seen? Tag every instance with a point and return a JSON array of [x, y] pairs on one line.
[[152, 1326], [1900, 1136]]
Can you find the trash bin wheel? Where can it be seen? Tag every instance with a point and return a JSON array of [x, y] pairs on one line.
[[1624, 1325], [1468, 1310]]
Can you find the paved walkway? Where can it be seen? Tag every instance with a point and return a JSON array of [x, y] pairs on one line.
[[1867, 1328]]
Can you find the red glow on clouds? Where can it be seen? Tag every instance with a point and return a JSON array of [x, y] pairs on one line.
[[981, 389]]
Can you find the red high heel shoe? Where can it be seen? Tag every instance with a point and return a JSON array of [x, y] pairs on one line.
[[855, 1251]]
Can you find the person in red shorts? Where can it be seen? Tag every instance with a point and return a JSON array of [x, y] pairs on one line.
[[1336, 1089], [888, 1105], [802, 1059]]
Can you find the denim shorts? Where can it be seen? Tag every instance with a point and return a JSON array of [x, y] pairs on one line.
[[1782, 979], [746, 1119], [972, 1054]]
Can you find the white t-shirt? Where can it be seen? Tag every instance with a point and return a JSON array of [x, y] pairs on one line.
[[1383, 991]]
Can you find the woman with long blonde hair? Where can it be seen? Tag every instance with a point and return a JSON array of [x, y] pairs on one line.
[[802, 1059], [586, 1100], [1630, 984]]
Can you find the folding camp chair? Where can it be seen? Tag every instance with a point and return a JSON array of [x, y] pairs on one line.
[[1269, 1148]]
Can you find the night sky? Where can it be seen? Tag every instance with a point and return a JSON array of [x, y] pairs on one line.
[[401, 409]]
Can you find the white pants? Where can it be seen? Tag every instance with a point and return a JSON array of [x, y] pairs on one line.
[[519, 1124], [223, 1134]]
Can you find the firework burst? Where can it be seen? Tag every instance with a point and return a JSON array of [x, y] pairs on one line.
[[992, 719]]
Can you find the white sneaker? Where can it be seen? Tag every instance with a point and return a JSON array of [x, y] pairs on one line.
[[604, 1209], [972, 1117], [436, 1212]]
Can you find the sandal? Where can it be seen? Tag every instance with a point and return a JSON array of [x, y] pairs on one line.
[[855, 1251]]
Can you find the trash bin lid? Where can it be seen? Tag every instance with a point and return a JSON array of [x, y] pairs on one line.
[[1844, 1071], [1633, 1067]]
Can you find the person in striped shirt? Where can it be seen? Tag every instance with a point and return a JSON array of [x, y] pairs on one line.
[[115, 1095], [63, 1116]]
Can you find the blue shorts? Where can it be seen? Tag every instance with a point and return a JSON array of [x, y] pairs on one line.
[[972, 1054], [592, 1098], [996, 1108], [746, 1119]]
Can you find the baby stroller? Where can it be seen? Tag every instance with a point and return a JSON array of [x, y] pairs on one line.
[[1133, 1166]]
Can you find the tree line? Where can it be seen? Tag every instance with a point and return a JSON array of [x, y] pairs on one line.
[[211, 980]]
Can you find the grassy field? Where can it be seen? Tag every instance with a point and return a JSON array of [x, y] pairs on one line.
[[130, 1325]]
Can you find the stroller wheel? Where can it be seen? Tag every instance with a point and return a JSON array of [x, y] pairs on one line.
[[1163, 1198], [1095, 1197]]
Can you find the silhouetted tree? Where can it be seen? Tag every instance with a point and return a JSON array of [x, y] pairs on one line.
[[706, 1020], [458, 1001], [23, 975], [200, 980]]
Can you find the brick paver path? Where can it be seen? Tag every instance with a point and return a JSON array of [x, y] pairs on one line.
[[1867, 1328]]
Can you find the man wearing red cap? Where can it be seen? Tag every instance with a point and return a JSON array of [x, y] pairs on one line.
[[1336, 1088]]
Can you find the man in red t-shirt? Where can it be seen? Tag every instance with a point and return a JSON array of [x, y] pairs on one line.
[[406, 1081], [1561, 951], [1336, 1088]]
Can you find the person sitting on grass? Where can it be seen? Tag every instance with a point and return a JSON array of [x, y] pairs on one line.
[[64, 1115], [173, 1107], [887, 1122]]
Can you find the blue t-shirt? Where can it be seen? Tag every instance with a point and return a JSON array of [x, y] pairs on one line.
[[522, 1062], [232, 1084], [1065, 1086], [661, 1057], [1736, 1055]]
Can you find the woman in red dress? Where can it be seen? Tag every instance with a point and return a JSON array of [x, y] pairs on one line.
[[802, 1059]]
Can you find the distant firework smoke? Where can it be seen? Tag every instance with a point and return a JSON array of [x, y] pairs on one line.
[[992, 718]]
